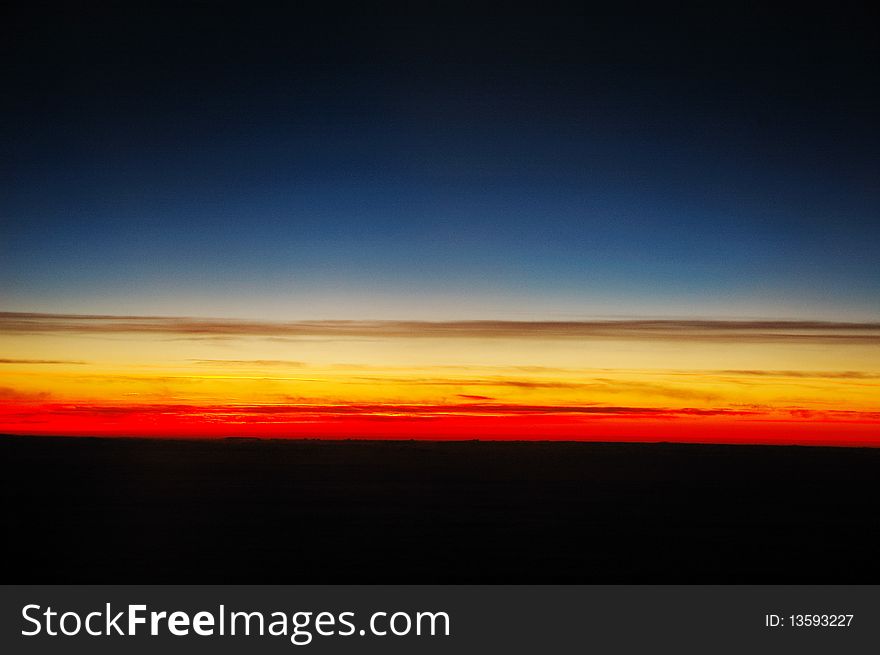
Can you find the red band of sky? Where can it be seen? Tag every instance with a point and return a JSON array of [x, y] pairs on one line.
[[353, 423]]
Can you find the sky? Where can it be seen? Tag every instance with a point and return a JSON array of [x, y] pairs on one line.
[[570, 223]]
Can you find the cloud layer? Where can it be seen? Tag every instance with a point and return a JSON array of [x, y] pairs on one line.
[[660, 330]]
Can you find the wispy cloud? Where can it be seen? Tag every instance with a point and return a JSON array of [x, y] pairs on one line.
[[9, 394], [470, 382], [602, 385], [482, 408], [41, 361], [661, 330], [249, 362], [828, 375]]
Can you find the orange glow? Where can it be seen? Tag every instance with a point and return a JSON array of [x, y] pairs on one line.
[[719, 382]]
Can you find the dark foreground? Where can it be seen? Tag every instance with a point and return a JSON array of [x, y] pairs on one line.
[[141, 511]]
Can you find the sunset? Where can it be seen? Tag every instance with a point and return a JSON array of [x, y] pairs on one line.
[[717, 381], [492, 322], [551, 235]]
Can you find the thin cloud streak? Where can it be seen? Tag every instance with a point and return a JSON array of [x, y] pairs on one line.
[[41, 361], [652, 330], [604, 385], [389, 409], [249, 362], [829, 375]]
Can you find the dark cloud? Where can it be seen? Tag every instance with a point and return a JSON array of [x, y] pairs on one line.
[[660, 330], [40, 361]]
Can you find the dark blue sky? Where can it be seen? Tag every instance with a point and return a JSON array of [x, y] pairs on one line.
[[222, 160]]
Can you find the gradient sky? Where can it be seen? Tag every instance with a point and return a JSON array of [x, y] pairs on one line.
[[579, 166]]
